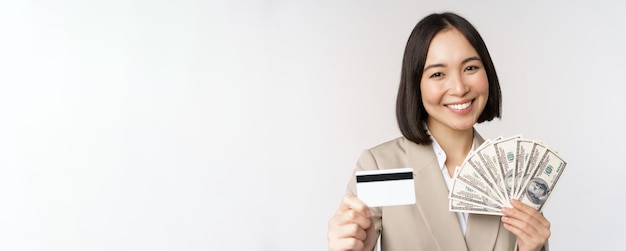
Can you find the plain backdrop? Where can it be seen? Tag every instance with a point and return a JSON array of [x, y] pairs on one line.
[[235, 125]]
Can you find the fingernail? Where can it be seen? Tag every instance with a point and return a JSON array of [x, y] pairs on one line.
[[368, 213], [505, 210], [514, 202], [504, 218]]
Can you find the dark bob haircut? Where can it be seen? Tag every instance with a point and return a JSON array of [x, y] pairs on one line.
[[410, 110]]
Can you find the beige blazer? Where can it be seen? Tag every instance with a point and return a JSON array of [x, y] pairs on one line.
[[427, 225]]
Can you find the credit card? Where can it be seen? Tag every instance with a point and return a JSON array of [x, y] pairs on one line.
[[387, 187]]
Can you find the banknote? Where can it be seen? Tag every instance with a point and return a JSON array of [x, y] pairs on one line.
[[536, 153], [506, 150], [460, 206], [524, 147], [503, 169], [465, 193], [543, 180], [475, 175], [487, 156]]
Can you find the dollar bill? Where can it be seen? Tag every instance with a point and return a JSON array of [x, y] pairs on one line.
[[465, 193], [538, 150], [524, 148], [488, 158], [473, 174], [504, 169], [459, 206], [543, 180], [506, 150]]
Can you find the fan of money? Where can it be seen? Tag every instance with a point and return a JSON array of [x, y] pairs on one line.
[[503, 169]]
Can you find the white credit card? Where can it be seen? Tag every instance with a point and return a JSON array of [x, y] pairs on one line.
[[387, 187]]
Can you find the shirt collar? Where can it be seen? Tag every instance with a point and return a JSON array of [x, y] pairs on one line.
[[441, 155]]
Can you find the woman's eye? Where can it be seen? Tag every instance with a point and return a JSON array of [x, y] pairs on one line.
[[471, 68], [436, 75]]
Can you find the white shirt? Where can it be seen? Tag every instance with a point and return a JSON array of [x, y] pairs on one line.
[[441, 158]]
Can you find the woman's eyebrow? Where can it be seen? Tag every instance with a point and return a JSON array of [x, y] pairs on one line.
[[471, 59], [433, 66], [443, 65]]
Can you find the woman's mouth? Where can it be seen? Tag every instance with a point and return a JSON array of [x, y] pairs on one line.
[[462, 106]]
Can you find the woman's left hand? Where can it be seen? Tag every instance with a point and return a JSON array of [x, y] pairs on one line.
[[530, 227]]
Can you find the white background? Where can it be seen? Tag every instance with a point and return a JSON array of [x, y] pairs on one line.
[[235, 125]]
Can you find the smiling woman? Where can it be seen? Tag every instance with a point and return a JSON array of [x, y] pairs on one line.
[[448, 85], [421, 63], [454, 83]]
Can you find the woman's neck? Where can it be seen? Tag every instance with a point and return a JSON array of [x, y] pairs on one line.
[[455, 143]]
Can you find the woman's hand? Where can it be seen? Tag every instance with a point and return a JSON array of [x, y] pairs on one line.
[[530, 227], [351, 228]]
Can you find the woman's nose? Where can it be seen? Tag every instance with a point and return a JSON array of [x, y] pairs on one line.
[[458, 86]]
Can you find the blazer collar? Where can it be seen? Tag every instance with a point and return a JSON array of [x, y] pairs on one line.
[[431, 195], [482, 230]]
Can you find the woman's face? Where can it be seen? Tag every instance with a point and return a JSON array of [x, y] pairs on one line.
[[454, 84]]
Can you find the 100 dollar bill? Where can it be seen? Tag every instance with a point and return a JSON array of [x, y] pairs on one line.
[[543, 180]]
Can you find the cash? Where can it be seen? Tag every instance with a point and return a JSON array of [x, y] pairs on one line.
[[503, 169]]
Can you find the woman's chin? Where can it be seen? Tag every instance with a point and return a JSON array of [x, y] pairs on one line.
[[464, 126]]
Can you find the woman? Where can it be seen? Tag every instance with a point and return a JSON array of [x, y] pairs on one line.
[[448, 84]]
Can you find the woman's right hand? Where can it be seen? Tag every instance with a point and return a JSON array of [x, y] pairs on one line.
[[351, 228]]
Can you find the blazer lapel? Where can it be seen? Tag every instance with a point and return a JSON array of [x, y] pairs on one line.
[[431, 193], [482, 231]]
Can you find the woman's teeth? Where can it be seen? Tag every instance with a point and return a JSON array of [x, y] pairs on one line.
[[461, 106]]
